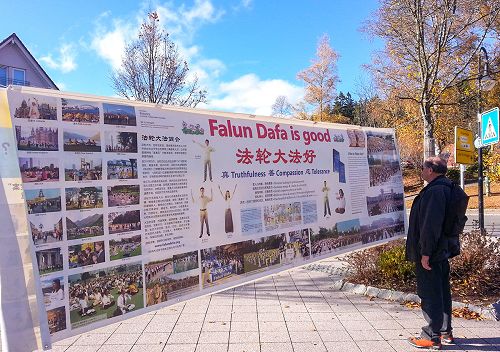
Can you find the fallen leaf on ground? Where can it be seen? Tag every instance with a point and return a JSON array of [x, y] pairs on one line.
[[466, 313], [412, 305]]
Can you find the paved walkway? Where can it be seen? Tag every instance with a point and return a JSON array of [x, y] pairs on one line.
[[292, 311]]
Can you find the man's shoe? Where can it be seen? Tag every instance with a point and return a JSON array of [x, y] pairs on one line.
[[447, 339], [419, 342], [200, 236]]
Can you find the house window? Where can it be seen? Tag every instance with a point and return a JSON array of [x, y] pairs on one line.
[[18, 76], [3, 76]]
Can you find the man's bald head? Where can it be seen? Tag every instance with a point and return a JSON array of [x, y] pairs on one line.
[[436, 164]]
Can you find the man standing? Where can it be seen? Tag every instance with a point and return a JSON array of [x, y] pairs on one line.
[[207, 161], [428, 247], [326, 201], [203, 201]]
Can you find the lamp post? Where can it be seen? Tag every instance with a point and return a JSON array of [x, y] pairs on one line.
[[483, 72]]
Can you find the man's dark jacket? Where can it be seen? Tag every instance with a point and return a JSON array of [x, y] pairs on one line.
[[425, 228]]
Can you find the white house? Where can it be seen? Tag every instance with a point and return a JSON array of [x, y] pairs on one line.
[[19, 67]]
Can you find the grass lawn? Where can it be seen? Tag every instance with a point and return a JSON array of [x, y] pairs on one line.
[[121, 255], [48, 271]]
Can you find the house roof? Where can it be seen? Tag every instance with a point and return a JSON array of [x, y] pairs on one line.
[[14, 39]]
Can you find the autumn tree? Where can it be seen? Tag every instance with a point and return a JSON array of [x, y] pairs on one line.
[[153, 71], [430, 48], [321, 78], [281, 107], [344, 105]]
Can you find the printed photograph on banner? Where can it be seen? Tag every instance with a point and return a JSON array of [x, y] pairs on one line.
[[124, 221], [251, 221], [228, 195], [82, 168], [195, 129], [333, 200], [125, 247], [342, 234], [43, 200], [116, 114], [121, 142], [297, 247], [202, 203], [49, 260], [356, 138], [185, 262], [105, 293], [53, 292], [47, 228], [39, 169], [37, 139], [309, 212], [223, 263], [57, 319], [123, 195], [382, 227], [79, 111], [80, 140], [206, 150], [383, 160], [338, 166], [84, 254], [37, 107], [122, 169], [264, 253], [283, 215], [385, 201], [83, 225], [163, 284], [327, 212], [84, 198]]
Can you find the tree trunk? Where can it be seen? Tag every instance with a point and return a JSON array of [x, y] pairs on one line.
[[429, 142]]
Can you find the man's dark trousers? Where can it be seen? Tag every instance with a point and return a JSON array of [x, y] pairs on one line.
[[433, 288]]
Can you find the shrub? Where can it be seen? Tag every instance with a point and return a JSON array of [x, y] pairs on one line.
[[377, 266], [454, 175], [475, 273], [393, 265], [471, 171]]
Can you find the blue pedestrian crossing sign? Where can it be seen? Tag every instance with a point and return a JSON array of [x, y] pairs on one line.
[[490, 127]]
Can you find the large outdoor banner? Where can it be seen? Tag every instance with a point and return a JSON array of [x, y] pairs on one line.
[[130, 206]]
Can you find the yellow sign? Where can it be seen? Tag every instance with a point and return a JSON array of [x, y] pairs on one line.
[[464, 146]]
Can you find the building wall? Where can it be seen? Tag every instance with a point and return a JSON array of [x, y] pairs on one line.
[[13, 57]]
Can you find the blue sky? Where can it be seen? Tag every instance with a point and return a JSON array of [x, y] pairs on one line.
[[245, 52]]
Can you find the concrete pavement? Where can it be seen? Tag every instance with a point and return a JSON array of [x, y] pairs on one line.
[[295, 310]]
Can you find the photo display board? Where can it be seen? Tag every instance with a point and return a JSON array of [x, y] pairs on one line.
[[131, 207]]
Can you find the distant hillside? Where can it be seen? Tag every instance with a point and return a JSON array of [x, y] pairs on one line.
[[93, 220], [73, 135]]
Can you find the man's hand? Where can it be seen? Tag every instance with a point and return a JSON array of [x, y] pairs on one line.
[[425, 262]]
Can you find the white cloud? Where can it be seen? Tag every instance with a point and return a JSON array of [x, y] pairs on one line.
[[203, 10], [109, 44], [66, 60], [243, 4], [250, 94]]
